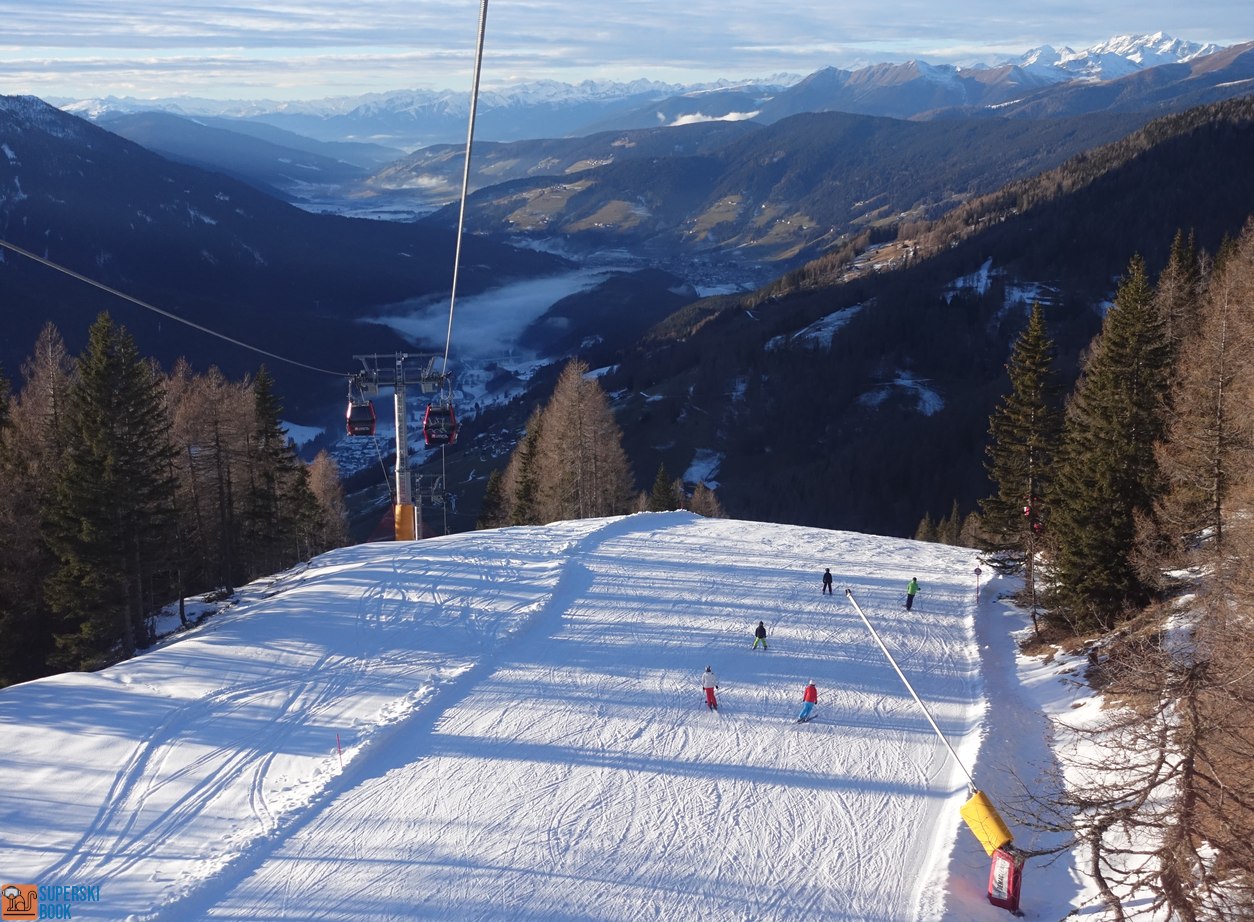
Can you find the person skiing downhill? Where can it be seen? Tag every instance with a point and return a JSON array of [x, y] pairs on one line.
[[827, 580], [911, 588], [709, 683], [809, 698], [759, 636]]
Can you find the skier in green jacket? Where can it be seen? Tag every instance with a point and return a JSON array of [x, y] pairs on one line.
[[911, 588]]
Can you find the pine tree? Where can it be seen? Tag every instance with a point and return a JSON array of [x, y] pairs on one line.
[[1177, 294], [112, 509], [1023, 432], [521, 480], [969, 535], [23, 649], [277, 495], [948, 529], [663, 497], [1108, 475], [31, 446], [493, 512], [926, 530], [310, 518]]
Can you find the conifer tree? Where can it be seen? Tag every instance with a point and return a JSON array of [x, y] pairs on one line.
[[327, 490], [948, 529], [585, 473], [1177, 294], [493, 513], [24, 645], [1209, 445], [926, 530], [1023, 436], [212, 426], [705, 502], [663, 497], [309, 517], [971, 530], [112, 509], [276, 495], [31, 446], [521, 480], [1108, 474]]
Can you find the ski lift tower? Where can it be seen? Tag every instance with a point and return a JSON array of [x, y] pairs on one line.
[[399, 372]]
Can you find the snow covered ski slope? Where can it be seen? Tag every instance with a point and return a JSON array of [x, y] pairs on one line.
[[523, 736]]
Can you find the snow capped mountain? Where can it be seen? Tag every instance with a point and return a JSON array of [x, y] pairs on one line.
[[1152, 50], [1111, 59], [540, 92], [1116, 57], [414, 118]]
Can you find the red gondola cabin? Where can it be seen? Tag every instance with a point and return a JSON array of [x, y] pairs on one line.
[[360, 418], [439, 424]]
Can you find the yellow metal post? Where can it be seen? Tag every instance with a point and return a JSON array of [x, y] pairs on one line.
[[406, 529]]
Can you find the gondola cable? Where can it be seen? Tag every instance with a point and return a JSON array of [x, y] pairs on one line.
[[461, 212], [383, 467], [439, 424], [164, 313]]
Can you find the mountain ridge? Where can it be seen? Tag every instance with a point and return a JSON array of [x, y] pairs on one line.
[[204, 245], [415, 118]]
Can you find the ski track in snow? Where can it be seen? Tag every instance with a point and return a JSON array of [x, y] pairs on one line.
[[528, 737]]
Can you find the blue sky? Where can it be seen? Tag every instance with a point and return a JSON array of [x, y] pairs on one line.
[[309, 49]]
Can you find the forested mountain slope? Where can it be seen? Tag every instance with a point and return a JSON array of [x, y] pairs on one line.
[[874, 424], [780, 193], [203, 246]]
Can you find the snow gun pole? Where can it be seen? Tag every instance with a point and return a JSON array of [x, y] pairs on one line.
[[906, 682]]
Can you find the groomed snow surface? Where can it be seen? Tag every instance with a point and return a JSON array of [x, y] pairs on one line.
[[509, 725]]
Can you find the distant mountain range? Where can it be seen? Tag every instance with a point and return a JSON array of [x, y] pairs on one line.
[[920, 282], [414, 118], [815, 166], [692, 174]]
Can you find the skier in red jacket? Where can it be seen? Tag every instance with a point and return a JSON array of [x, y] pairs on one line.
[[809, 698]]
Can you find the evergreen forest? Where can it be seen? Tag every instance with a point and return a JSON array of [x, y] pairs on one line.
[[127, 488]]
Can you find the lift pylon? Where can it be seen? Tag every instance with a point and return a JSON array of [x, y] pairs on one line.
[[399, 372]]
